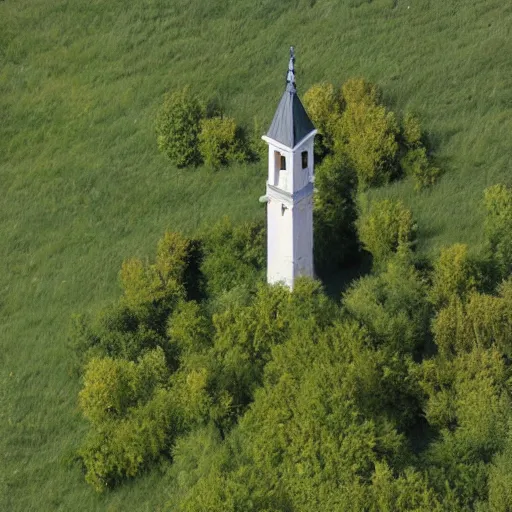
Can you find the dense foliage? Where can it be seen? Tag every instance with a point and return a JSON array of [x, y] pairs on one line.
[[262, 399], [190, 132], [356, 128]]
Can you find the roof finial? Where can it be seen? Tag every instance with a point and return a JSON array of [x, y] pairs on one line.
[[290, 76]]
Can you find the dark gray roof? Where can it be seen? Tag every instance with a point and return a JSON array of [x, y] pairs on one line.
[[291, 122]]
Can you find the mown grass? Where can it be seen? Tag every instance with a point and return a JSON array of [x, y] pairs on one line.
[[83, 186]]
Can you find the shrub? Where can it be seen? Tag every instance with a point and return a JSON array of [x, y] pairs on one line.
[[415, 163], [392, 305], [411, 130], [367, 133], [220, 142], [385, 227], [131, 413], [233, 256], [324, 106], [162, 281], [455, 275], [177, 127], [498, 226], [334, 213]]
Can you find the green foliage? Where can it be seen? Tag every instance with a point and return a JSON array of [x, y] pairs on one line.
[[220, 142], [468, 401], [334, 214], [131, 415], [233, 255], [384, 228], [415, 163], [392, 305], [324, 106], [189, 328], [455, 275], [84, 189], [409, 492], [411, 130], [483, 321], [367, 134], [178, 126], [500, 481], [498, 226], [159, 282]]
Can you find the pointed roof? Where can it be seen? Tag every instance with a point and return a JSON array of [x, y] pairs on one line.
[[291, 122]]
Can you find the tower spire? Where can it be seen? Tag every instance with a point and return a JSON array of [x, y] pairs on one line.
[[290, 76]]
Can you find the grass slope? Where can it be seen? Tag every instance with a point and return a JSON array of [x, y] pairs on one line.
[[83, 186]]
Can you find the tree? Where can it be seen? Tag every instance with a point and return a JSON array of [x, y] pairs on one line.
[[385, 227], [367, 134], [178, 126], [334, 214], [220, 142], [455, 275], [498, 226], [324, 106]]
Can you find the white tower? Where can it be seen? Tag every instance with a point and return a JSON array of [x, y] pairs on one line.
[[289, 196]]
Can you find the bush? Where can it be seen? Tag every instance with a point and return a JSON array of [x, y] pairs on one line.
[[233, 256], [454, 277], [162, 281], [220, 142], [334, 214], [324, 106], [415, 163], [384, 228], [411, 131], [177, 127], [498, 226], [367, 134], [131, 414]]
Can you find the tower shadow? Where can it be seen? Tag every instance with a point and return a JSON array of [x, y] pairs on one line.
[[337, 279]]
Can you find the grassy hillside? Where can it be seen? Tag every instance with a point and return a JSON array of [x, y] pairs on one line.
[[83, 186]]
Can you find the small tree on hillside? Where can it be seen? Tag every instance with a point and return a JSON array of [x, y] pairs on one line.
[[178, 126], [367, 133], [498, 226], [220, 142], [385, 227]]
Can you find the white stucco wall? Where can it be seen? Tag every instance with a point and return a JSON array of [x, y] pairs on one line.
[[290, 213]]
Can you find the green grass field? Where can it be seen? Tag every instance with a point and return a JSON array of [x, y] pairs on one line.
[[83, 186]]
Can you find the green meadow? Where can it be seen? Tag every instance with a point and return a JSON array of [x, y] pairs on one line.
[[83, 186]]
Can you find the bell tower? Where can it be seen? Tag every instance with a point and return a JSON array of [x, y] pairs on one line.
[[289, 197]]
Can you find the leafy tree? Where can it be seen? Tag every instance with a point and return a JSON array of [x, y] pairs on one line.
[[367, 134], [334, 214], [455, 275], [415, 163], [498, 226], [500, 482], [178, 127], [482, 321], [385, 227], [466, 400], [324, 106], [233, 256], [392, 305], [131, 413], [220, 142], [411, 131]]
